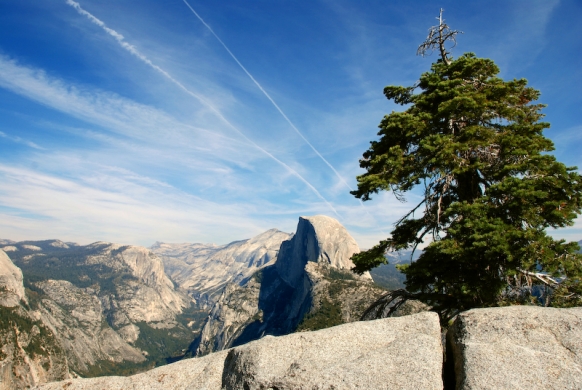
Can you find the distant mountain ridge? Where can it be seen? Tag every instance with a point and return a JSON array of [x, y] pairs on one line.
[[204, 270], [387, 275], [110, 308]]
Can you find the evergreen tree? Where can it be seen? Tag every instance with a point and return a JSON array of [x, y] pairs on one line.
[[475, 144]]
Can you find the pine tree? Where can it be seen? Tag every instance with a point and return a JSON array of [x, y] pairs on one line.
[[474, 143]]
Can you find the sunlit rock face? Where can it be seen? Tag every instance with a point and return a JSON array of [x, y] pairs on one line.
[[318, 239], [151, 296], [11, 287], [77, 316], [302, 280]]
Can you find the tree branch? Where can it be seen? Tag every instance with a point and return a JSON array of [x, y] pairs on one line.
[[437, 36], [545, 279]]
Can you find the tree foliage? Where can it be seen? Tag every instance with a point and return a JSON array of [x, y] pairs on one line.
[[474, 143]]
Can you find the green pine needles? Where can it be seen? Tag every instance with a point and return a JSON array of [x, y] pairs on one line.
[[474, 143]]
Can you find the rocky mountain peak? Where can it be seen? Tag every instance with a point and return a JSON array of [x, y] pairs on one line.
[[145, 265], [266, 236], [310, 276], [59, 244], [318, 239]]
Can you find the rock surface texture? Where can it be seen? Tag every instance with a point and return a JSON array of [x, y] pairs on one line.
[[393, 353], [402, 353], [76, 316], [517, 347], [203, 373]]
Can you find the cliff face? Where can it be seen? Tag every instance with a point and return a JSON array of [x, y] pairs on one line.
[[76, 316], [236, 308], [11, 287], [311, 275], [29, 350], [318, 239], [145, 293]]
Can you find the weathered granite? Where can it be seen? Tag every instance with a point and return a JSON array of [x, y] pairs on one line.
[[517, 347], [394, 353], [203, 373]]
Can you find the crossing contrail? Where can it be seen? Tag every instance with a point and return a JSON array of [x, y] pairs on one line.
[[133, 50], [268, 96], [274, 103]]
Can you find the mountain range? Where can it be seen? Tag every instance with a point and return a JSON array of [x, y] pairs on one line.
[[103, 309]]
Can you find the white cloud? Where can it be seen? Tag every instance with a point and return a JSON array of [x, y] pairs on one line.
[[112, 204]]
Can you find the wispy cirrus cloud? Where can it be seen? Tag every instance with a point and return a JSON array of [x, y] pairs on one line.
[[105, 109], [20, 140], [260, 87], [112, 203]]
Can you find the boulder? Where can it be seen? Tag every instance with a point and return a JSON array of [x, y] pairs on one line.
[[516, 347], [203, 373], [393, 353]]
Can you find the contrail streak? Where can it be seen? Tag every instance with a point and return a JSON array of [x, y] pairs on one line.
[[268, 96], [274, 103], [133, 50]]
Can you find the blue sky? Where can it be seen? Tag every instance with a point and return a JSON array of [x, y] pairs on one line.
[[129, 121]]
